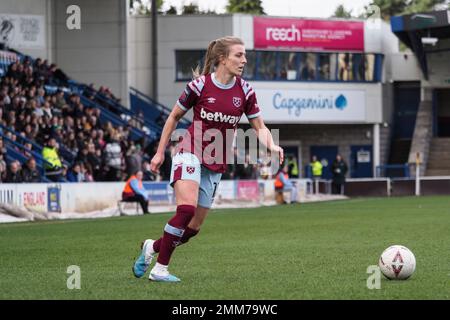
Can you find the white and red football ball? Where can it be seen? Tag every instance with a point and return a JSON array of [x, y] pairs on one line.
[[397, 263]]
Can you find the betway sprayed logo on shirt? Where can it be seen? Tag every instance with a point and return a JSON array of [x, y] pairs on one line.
[[319, 103], [218, 117]]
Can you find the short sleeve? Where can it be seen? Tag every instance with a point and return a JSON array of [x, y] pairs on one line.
[[251, 109], [189, 97]]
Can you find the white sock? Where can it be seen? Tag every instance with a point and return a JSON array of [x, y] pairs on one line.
[[150, 249], [159, 267]]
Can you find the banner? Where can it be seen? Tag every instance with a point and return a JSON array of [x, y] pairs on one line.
[[296, 106], [22, 31], [247, 190], [308, 34], [33, 196], [226, 190], [159, 191], [54, 199], [7, 194]]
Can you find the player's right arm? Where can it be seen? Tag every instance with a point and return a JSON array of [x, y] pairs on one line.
[[170, 125], [186, 101]]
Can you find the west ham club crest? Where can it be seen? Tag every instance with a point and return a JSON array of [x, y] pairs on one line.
[[236, 102], [190, 170]]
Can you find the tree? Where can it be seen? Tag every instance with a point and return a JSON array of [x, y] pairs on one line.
[[193, 8], [172, 10], [389, 8], [340, 12], [245, 6], [423, 5], [190, 8], [144, 7]]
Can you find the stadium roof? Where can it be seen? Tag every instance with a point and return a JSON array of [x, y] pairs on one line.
[[419, 31]]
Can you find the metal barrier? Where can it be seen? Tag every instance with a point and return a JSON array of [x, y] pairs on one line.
[[393, 171]]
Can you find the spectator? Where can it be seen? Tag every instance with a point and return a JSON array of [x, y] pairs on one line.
[[133, 159], [13, 174], [316, 168], [283, 184], [93, 163], [2, 148], [53, 165], [83, 155], [134, 191], [147, 174], [100, 142], [28, 147], [3, 168], [60, 101], [339, 170], [113, 159], [75, 174], [229, 174], [30, 173], [245, 170], [293, 166], [57, 76]]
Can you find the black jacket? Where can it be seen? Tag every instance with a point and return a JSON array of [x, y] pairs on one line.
[[31, 175], [339, 169]]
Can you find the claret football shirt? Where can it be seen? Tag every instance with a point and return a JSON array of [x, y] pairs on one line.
[[217, 108]]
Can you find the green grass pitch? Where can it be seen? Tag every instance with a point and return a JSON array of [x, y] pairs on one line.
[[305, 251]]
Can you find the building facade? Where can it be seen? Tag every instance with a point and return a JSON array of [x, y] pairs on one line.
[[329, 85]]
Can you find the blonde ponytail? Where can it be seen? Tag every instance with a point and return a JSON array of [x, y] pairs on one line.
[[216, 49]]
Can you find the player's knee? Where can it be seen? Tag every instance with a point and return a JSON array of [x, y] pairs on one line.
[[183, 216]]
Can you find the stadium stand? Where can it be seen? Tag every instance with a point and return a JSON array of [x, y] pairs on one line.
[[95, 133], [39, 101]]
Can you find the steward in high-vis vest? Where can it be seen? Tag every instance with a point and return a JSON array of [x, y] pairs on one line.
[[134, 191], [316, 167], [293, 167], [52, 164]]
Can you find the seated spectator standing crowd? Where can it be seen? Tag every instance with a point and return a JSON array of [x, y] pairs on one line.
[[101, 151]]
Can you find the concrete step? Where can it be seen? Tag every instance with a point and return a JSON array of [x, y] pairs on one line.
[[437, 168], [440, 146], [439, 156], [437, 172]]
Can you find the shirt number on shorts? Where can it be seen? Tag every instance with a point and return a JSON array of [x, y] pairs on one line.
[[215, 189]]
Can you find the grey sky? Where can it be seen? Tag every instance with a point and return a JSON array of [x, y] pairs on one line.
[[294, 8]]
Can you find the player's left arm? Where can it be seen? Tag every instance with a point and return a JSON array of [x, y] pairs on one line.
[[265, 136]]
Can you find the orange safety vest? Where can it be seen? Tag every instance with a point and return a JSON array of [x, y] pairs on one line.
[[278, 183], [128, 190]]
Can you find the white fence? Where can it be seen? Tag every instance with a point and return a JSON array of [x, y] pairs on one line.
[[87, 197]]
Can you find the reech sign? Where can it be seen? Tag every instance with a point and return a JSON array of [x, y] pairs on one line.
[[308, 34]]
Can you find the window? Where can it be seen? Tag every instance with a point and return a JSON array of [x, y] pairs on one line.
[[358, 67], [267, 65], [288, 66], [307, 66], [327, 66], [294, 66], [345, 71], [369, 67], [250, 67], [186, 61]]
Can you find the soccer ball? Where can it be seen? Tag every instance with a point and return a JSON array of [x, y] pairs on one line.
[[397, 263]]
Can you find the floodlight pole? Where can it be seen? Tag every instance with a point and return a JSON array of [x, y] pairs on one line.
[[154, 50]]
